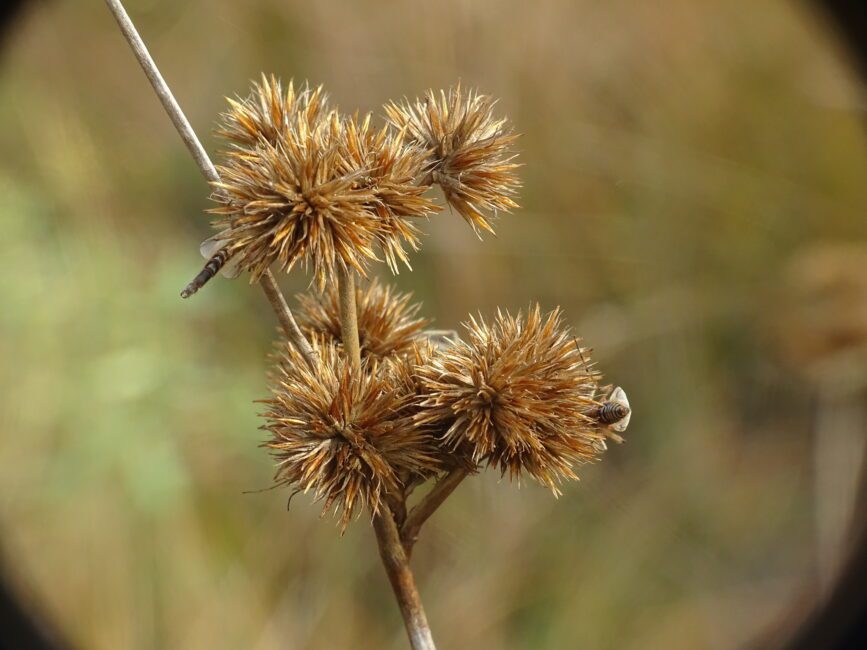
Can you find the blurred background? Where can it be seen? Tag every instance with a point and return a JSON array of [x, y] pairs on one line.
[[694, 199]]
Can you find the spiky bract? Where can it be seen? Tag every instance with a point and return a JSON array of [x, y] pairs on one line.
[[518, 393], [346, 435], [388, 322], [469, 150]]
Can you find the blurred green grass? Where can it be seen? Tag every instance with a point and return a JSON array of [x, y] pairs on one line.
[[675, 160]]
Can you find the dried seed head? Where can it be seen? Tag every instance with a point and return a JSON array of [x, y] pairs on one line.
[[346, 435], [389, 168], [388, 323], [519, 393], [285, 194], [469, 150]]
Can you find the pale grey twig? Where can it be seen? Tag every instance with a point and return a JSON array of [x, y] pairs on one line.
[[194, 145], [161, 88]]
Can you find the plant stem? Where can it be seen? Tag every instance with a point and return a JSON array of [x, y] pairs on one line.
[[348, 316], [194, 145], [428, 505], [287, 320], [391, 549], [161, 88], [402, 582]]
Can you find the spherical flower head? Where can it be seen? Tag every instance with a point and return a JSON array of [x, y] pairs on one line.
[[389, 167], [285, 196], [347, 435], [517, 393], [469, 150], [388, 321]]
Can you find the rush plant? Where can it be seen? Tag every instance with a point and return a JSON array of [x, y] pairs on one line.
[[366, 405]]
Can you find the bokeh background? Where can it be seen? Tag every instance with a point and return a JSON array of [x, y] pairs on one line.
[[694, 198]]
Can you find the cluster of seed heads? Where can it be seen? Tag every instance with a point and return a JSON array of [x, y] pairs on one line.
[[304, 185], [518, 393]]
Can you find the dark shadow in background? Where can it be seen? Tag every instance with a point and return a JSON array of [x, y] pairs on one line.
[[840, 623], [21, 626], [10, 11]]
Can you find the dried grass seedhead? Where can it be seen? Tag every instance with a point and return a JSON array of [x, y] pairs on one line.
[[389, 168], [518, 393], [346, 435], [286, 196], [388, 322], [469, 150]]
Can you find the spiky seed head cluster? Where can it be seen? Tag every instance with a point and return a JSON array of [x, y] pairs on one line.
[[301, 184], [388, 321], [405, 372], [470, 150], [407, 369], [518, 393], [347, 435]]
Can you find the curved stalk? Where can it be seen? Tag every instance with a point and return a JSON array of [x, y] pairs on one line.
[[428, 505]]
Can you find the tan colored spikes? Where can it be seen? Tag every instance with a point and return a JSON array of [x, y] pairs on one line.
[[517, 393], [389, 168], [408, 374], [469, 150], [388, 322], [348, 436], [301, 185], [268, 114]]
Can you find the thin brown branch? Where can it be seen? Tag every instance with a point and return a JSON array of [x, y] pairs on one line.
[[348, 316], [428, 505], [402, 582], [194, 145], [287, 320]]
